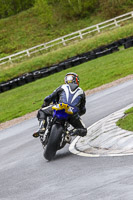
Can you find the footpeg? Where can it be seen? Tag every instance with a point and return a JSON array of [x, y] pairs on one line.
[[38, 133], [35, 135], [68, 139]]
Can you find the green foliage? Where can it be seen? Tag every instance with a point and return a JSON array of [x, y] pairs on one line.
[[44, 11], [68, 8], [129, 111], [126, 122], [78, 8], [12, 7], [26, 30], [51, 19]]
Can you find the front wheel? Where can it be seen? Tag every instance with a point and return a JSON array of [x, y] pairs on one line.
[[53, 142]]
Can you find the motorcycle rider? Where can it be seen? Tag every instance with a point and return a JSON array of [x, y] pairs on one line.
[[69, 93]]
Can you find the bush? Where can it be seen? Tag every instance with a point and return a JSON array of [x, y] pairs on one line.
[[113, 8], [12, 7], [78, 8], [44, 11]]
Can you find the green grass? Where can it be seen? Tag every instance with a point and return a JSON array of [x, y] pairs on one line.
[[25, 30], [10, 71], [127, 121], [25, 99]]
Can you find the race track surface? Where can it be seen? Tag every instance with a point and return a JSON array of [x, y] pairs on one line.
[[26, 175]]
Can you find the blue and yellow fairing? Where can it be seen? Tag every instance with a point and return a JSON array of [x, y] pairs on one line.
[[62, 110]]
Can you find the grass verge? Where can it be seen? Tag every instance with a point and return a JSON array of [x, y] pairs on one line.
[[127, 121], [28, 98]]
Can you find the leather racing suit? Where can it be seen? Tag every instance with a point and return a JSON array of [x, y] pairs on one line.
[[72, 95]]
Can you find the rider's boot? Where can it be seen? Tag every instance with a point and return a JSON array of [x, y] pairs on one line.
[[79, 132], [41, 130]]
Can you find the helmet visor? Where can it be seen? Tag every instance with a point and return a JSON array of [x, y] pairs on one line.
[[69, 79]]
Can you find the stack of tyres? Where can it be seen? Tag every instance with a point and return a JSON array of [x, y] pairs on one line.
[[21, 80], [13, 83], [128, 44], [61, 66], [44, 72], [29, 77], [113, 44], [37, 74], [68, 63], [5, 87], [100, 49], [92, 55], [121, 41], [113, 49], [0, 89], [83, 59], [76, 61], [100, 54], [53, 69]]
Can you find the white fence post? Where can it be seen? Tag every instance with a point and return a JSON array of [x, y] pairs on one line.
[[81, 36], [28, 53], [98, 29], [115, 22], [10, 59], [63, 41]]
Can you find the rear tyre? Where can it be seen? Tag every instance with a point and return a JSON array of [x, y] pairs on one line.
[[53, 142]]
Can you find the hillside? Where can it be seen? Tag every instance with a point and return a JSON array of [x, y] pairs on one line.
[[28, 29], [8, 72], [25, 30]]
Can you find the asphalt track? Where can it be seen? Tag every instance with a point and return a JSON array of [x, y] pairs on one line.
[[25, 175]]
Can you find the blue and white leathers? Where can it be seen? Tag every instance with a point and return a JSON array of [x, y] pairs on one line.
[[70, 97], [70, 94]]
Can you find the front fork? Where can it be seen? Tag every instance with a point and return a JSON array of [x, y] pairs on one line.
[[66, 138], [44, 137]]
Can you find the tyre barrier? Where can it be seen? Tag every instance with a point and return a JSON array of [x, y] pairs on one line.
[[71, 62], [128, 44]]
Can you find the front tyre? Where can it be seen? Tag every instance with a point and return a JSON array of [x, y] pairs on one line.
[[53, 142]]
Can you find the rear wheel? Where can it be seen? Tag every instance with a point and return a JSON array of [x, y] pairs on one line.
[[53, 142]]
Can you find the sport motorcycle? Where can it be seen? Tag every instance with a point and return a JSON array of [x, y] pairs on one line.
[[58, 131]]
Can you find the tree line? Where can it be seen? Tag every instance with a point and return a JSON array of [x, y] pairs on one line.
[[69, 8]]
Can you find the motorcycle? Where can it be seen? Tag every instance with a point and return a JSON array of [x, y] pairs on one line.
[[58, 131]]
